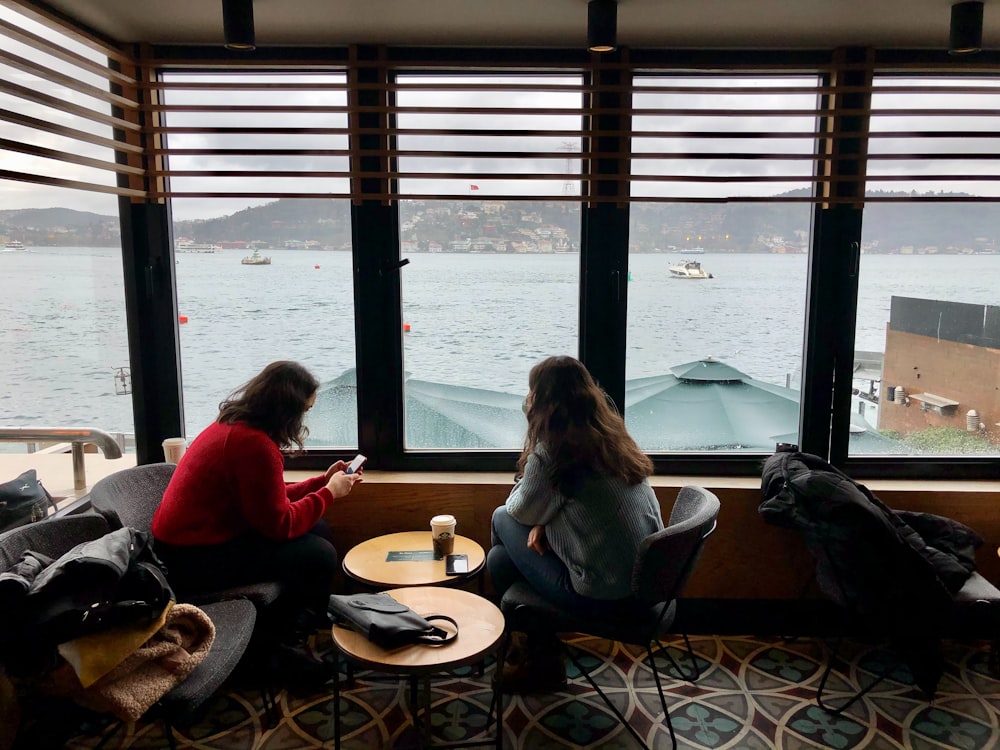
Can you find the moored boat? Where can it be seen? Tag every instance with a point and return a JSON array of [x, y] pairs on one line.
[[689, 269], [256, 259], [14, 245], [188, 246]]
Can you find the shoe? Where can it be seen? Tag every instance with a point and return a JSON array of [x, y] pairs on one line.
[[539, 668]]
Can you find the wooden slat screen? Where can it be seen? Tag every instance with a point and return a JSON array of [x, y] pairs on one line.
[[58, 107], [938, 135], [253, 134], [516, 126]]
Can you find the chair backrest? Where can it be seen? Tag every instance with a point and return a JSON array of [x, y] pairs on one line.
[[130, 497], [52, 537], [666, 559]]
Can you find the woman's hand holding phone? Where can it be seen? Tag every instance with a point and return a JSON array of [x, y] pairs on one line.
[[341, 484], [334, 468]]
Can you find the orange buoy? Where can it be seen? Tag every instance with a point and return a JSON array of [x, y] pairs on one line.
[[316, 266], [406, 327], [182, 318]]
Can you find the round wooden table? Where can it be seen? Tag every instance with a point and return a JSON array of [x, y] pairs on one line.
[[480, 632], [367, 562]]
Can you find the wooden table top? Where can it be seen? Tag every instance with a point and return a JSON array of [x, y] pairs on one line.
[[366, 562], [480, 628]]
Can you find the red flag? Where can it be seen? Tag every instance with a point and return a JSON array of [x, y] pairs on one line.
[[473, 187]]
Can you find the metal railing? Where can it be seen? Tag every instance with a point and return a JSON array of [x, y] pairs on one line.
[[77, 437]]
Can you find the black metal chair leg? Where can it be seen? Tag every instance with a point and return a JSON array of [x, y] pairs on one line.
[[116, 728], [663, 698], [607, 701], [270, 703], [826, 675], [695, 672], [497, 688], [168, 731]]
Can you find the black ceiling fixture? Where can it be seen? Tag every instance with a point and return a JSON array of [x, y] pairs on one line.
[[237, 22], [966, 28], [602, 25]]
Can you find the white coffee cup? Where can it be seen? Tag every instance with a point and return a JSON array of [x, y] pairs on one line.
[[443, 535], [173, 449]]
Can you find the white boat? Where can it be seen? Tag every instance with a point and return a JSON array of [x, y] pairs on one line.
[[14, 245], [187, 246], [689, 269], [256, 259]]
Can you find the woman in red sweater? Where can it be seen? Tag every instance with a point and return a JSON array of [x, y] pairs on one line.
[[229, 518]]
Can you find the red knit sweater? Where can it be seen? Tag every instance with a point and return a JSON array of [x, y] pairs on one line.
[[231, 480]]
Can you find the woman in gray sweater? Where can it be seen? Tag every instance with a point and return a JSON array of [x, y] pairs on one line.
[[580, 507]]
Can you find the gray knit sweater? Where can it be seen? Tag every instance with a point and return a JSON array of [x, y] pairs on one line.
[[596, 534]]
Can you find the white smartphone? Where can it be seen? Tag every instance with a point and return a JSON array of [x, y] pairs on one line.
[[356, 464]]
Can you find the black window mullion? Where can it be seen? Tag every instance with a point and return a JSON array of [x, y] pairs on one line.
[[150, 287], [378, 315], [604, 239], [831, 299]]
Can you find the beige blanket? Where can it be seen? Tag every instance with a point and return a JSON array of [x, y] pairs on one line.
[[145, 675]]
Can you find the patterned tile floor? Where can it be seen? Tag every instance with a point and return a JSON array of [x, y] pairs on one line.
[[754, 693]]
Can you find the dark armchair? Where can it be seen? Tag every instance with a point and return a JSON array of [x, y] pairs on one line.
[[130, 498], [233, 620], [663, 565]]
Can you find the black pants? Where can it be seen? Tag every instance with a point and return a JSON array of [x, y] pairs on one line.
[[305, 566]]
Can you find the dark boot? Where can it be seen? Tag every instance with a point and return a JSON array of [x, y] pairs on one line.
[[540, 668]]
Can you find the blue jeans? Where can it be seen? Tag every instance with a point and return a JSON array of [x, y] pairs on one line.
[[510, 560]]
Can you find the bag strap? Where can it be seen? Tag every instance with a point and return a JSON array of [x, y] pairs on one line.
[[438, 636]]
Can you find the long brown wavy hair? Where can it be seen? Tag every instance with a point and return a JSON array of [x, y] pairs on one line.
[[273, 401], [576, 422]]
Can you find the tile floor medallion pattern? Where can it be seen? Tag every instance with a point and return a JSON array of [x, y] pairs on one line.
[[753, 694]]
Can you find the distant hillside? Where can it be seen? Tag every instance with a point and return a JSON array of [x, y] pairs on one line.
[[64, 227], [50, 217], [733, 227]]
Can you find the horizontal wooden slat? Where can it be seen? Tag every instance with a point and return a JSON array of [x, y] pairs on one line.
[[61, 53], [49, 153], [38, 97], [63, 79], [7, 174]]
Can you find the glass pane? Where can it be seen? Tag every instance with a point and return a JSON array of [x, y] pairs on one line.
[[264, 280], [63, 336], [928, 329], [716, 293], [493, 285]]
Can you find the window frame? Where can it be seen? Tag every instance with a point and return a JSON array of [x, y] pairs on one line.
[[839, 186]]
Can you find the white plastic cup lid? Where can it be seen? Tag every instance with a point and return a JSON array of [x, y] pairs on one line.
[[442, 520]]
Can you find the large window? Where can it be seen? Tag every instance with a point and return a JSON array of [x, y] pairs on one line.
[[65, 358], [929, 297], [262, 279], [419, 226], [493, 281], [717, 260]]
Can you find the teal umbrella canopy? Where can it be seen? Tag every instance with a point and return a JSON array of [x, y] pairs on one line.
[[708, 405], [704, 405], [438, 416]]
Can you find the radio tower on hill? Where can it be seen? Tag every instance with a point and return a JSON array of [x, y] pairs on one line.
[[569, 187]]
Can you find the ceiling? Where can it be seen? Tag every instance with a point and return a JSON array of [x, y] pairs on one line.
[[800, 24]]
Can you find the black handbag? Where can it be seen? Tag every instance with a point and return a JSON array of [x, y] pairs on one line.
[[387, 623], [23, 500]]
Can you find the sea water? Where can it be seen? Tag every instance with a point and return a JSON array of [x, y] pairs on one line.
[[474, 320]]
